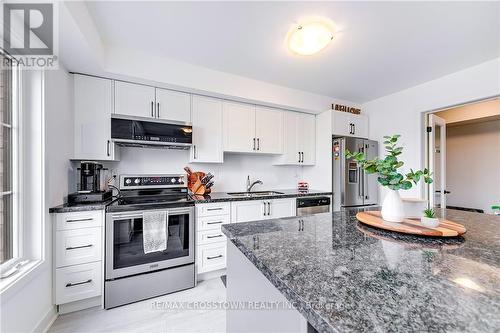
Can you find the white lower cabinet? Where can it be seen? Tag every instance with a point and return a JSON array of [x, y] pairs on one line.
[[211, 257], [78, 252], [253, 210]]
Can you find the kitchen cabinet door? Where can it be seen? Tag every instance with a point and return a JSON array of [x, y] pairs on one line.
[[282, 208], [290, 154], [93, 104], [173, 105], [244, 211], [207, 130], [306, 134], [342, 123], [269, 130], [239, 127], [134, 99], [360, 128]]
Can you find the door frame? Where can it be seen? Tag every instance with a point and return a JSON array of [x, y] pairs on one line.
[[424, 146]]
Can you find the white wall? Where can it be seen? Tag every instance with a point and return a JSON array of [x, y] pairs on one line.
[[401, 113], [473, 165], [230, 176], [30, 307]]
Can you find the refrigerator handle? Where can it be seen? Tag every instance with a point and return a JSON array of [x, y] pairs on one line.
[[360, 182]]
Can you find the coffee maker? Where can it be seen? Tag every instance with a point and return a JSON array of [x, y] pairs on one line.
[[89, 186]]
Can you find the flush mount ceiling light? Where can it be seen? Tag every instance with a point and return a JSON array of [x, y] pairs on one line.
[[310, 37]]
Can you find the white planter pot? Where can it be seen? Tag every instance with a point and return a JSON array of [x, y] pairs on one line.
[[429, 222], [392, 207]]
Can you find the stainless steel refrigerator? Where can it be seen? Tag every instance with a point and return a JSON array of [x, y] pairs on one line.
[[352, 186]]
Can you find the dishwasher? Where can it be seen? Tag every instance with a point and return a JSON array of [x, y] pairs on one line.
[[312, 205]]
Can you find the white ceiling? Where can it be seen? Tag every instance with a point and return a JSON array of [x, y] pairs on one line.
[[381, 47]]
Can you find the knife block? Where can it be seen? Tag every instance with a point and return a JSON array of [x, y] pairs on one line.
[[195, 185]]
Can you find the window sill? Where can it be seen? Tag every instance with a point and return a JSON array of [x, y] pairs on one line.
[[17, 281]]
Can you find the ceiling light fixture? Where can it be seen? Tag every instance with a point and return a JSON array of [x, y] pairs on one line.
[[310, 37]]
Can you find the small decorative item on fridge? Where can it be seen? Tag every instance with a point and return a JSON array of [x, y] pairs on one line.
[[303, 186], [199, 182]]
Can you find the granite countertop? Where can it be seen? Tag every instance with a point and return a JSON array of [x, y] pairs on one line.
[[289, 193], [67, 208], [347, 277]]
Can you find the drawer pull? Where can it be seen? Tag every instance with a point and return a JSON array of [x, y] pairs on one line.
[[80, 220], [78, 283], [78, 247], [211, 209], [214, 236], [216, 257], [218, 222]]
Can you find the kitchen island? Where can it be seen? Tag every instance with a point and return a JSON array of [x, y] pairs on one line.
[[342, 276]]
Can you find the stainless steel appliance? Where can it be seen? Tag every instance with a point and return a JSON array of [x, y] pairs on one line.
[[312, 205], [90, 188], [131, 274], [132, 131], [352, 186]]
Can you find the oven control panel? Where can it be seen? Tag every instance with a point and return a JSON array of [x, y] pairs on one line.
[[152, 181]]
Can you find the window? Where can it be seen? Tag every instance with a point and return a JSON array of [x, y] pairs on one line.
[[9, 221]]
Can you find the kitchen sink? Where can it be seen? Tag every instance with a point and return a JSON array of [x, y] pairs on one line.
[[254, 194]]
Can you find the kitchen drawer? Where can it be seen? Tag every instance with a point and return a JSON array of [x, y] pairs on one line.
[[77, 220], [78, 282], [209, 237], [78, 246], [211, 222], [211, 257], [211, 209]]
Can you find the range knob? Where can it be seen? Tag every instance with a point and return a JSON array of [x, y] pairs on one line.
[[172, 180], [137, 181], [180, 180], [128, 181]]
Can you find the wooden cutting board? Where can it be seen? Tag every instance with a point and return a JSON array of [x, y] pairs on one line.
[[446, 228]]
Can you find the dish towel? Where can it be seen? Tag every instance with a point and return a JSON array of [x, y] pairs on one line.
[[154, 231]]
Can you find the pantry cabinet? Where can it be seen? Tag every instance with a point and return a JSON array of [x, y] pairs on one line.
[[207, 130], [299, 139], [348, 124], [134, 99], [253, 210], [173, 105], [93, 105], [250, 129]]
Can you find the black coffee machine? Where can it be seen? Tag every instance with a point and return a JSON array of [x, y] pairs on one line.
[[89, 188]]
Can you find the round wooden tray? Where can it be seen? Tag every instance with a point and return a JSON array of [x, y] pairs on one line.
[[446, 228]]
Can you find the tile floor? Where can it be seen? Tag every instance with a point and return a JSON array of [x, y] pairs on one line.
[[144, 317]]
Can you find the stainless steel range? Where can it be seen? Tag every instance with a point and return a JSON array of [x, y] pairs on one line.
[[134, 271]]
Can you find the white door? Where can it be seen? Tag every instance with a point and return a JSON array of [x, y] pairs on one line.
[[244, 211], [306, 138], [93, 104], [134, 99], [173, 105], [342, 124], [437, 161], [239, 127], [269, 130], [283, 208], [207, 130]]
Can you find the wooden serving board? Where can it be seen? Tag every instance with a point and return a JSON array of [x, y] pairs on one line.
[[446, 228]]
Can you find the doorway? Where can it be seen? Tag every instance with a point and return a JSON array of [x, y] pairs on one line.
[[463, 153]]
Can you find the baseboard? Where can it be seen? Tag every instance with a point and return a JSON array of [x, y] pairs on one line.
[[210, 275], [79, 305], [47, 321]]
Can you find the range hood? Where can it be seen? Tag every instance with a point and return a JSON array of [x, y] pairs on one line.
[[130, 131]]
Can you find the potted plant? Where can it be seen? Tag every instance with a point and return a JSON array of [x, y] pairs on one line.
[[429, 219], [390, 177]]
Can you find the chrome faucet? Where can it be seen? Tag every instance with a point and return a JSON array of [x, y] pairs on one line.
[[250, 185]]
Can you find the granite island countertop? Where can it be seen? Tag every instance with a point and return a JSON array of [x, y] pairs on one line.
[[343, 276]]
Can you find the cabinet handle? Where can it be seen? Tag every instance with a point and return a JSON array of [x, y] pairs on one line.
[[152, 107], [253, 143], [211, 209], [299, 156], [218, 222], [78, 283], [214, 236], [78, 247], [268, 208], [353, 128], [216, 257], [194, 152], [258, 143], [158, 110], [107, 148], [80, 220]]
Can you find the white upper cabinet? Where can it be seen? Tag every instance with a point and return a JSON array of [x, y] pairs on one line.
[[134, 99], [299, 139], [173, 105], [348, 124], [269, 130], [239, 127], [93, 105], [207, 130]]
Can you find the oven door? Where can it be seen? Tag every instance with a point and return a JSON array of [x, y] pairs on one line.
[[124, 243]]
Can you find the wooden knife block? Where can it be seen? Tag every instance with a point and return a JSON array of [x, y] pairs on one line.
[[195, 185]]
